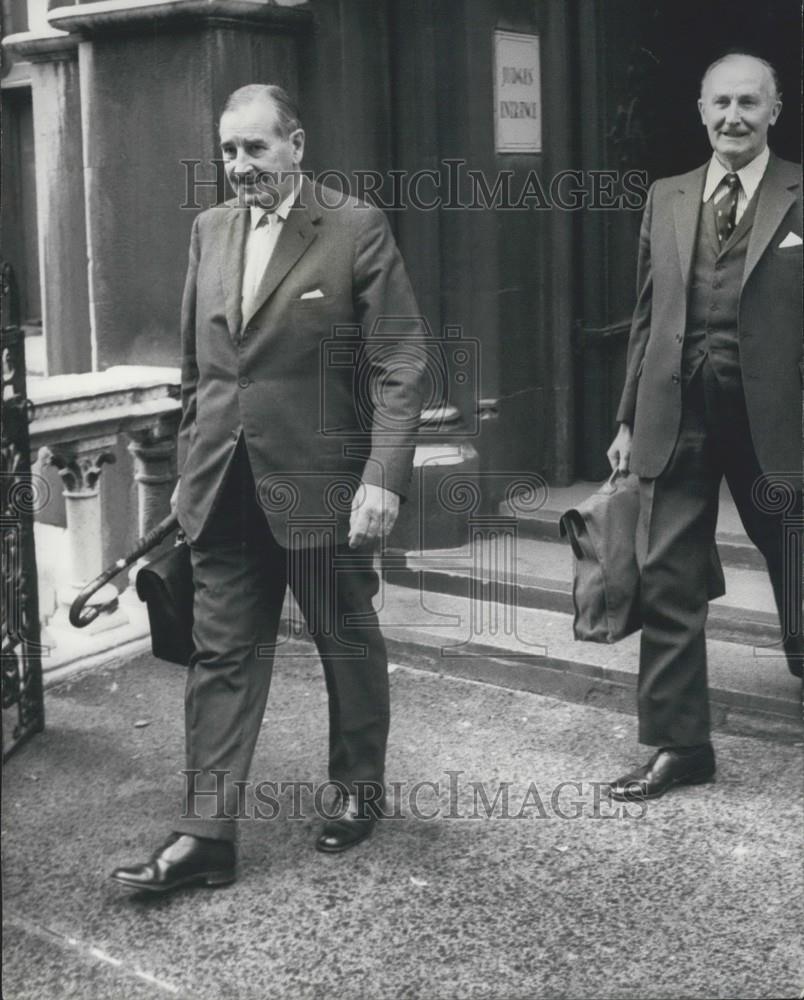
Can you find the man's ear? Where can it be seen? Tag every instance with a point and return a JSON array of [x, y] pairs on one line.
[[700, 111], [777, 110], [297, 141]]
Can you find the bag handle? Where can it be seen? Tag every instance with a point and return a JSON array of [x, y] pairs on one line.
[[610, 486], [571, 525]]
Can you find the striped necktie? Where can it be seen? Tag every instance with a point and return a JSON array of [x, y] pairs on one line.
[[725, 203]]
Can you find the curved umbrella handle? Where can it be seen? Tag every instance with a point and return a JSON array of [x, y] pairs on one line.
[[80, 615]]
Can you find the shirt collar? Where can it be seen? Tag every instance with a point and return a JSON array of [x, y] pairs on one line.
[[257, 211], [750, 175]]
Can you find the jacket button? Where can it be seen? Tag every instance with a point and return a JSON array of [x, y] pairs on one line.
[[676, 379], [244, 382]]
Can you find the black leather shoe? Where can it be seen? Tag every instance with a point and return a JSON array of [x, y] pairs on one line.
[[794, 647], [182, 860], [666, 768], [355, 823]]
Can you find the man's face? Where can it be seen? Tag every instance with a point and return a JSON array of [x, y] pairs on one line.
[[738, 104], [260, 162]]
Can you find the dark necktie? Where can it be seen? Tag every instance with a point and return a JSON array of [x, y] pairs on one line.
[[725, 202]]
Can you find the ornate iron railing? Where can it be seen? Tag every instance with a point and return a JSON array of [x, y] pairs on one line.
[[22, 697]]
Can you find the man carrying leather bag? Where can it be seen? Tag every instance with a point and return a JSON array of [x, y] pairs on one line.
[[712, 391], [608, 541]]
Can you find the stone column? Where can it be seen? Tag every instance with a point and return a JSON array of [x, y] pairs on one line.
[[79, 464], [153, 80], [154, 453], [153, 449], [61, 223]]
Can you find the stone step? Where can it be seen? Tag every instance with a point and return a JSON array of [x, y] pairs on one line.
[[538, 575], [751, 690]]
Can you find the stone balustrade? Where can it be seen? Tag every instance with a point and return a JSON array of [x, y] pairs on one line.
[[77, 423]]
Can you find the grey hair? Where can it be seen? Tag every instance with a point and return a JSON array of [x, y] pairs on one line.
[[746, 55], [286, 109]]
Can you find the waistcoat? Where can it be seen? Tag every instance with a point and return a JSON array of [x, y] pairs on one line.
[[714, 297]]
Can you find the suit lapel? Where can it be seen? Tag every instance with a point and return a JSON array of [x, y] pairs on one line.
[[297, 233], [686, 211], [774, 200], [231, 266]]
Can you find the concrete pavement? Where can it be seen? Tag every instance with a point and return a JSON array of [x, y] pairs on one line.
[[555, 894]]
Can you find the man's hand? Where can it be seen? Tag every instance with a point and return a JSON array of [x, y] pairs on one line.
[[619, 453], [374, 512]]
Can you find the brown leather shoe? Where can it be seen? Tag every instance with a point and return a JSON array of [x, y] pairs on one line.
[[183, 860], [356, 822], [667, 768]]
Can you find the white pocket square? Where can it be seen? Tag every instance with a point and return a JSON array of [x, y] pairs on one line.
[[791, 240], [318, 294]]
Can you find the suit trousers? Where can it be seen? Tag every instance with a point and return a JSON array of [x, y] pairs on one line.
[[240, 575], [678, 518]]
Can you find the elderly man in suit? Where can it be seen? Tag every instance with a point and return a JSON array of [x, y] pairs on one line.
[[292, 460], [712, 389]]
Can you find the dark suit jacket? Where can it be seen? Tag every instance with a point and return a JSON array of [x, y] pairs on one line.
[[299, 376], [770, 321]]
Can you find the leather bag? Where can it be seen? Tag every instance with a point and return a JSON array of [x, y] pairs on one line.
[[602, 532], [605, 586], [166, 586]]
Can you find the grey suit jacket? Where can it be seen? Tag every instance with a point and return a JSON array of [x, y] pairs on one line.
[[324, 389], [770, 321]]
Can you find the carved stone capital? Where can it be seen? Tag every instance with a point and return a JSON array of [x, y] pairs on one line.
[[156, 434], [153, 460], [153, 449], [79, 469]]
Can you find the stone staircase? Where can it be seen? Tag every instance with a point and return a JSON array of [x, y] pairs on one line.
[[461, 611]]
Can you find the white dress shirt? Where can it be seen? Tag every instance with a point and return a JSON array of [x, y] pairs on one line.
[[750, 175], [260, 243]]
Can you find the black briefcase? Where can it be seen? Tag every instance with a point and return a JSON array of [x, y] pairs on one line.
[[166, 586]]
